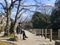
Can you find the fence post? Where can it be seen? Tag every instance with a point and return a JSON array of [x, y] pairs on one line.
[[59, 34], [50, 34], [42, 32], [45, 33], [35, 31]]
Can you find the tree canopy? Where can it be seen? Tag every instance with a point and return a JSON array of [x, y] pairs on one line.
[[55, 18], [40, 20]]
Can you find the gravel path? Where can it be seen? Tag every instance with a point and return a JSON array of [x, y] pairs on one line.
[[33, 40]]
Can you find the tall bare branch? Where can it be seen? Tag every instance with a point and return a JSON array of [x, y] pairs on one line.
[[6, 3]]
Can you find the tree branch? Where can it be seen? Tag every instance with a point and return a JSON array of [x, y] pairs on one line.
[[21, 14], [2, 5], [4, 8], [30, 5], [17, 12], [37, 2], [12, 4], [6, 3], [28, 10], [25, 19]]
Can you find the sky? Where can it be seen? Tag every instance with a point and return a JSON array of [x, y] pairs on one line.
[[28, 2], [44, 1]]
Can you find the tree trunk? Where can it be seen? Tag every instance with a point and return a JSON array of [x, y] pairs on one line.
[[8, 23], [15, 26]]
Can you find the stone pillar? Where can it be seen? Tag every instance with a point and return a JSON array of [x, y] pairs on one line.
[[50, 34], [59, 34], [45, 33]]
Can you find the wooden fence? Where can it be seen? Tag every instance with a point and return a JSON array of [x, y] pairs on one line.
[[42, 32]]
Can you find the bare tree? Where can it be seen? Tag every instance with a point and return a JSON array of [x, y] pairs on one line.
[[20, 7], [7, 10]]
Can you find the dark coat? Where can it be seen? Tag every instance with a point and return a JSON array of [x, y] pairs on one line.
[[19, 30]]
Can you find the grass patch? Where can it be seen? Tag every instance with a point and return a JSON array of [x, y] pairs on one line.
[[9, 36], [5, 43]]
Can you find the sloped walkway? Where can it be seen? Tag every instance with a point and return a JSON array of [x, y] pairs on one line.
[[33, 40]]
